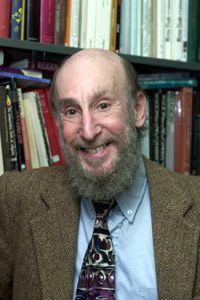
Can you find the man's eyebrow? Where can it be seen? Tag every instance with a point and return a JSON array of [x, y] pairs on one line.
[[67, 101]]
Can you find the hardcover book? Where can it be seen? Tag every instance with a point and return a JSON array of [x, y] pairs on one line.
[[32, 20], [47, 8], [16, 19], [4, 18]]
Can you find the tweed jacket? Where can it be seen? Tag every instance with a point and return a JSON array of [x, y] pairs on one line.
[[39, 216]]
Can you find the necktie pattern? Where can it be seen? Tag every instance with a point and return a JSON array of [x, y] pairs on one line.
[[97, 277]]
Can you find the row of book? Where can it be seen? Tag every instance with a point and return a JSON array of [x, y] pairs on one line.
[[75, 23], [173, 128], [163, 29], [155, 28], [28, 132]]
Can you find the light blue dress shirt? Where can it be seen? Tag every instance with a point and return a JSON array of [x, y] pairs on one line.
[[131, 230]]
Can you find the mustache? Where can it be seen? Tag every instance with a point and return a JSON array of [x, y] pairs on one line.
[[95, 143]]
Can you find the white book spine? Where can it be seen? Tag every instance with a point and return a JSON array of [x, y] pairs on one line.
[[139, 24], [74, 27], [37, 130], [160, 29], [133, 28], [168, 29], [185, 30], [83, 23], [177, 29], [103, 24], [91, 24], [30, 133], [146, 28]]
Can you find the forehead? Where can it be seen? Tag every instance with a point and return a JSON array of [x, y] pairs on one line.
[[90, 71]]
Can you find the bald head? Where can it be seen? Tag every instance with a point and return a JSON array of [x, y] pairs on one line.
[[89, 62]]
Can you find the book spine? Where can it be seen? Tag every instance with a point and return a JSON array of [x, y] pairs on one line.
[[24, 131], [91, 24], [47, 8], [4, 18], [43, 129], [167, 83], [183, 129], [22, 35], [103, 24], [16, 19], [170, 107], [113, 31], [17, 126], [59, 22], [177, 30], [75, 23], [193, 30], [185, 30], [4, 131], [168, 29], [162, 129], [30, 133], [83, 23], [160, 29], [68, 22], [11, 134], [32, 20], [133, 28], [146, 31], [154, 128], [125, 25]]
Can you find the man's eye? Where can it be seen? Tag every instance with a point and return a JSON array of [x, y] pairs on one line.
[[68, 112], [71, 112], [103, 105]]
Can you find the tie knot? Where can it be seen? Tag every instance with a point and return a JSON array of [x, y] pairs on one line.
[[102, 208]]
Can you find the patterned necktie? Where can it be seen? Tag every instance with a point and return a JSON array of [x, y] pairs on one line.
[[97, 277]]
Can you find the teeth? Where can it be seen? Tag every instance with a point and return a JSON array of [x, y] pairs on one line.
[[95, 150]]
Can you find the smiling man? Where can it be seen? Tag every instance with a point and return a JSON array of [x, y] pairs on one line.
[[110, 224]]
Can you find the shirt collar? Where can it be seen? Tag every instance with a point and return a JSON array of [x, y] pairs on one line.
[[129, 200]]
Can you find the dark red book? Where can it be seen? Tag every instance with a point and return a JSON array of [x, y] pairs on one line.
[[47, 8], [4, 18], [183, 130], [51, 126]]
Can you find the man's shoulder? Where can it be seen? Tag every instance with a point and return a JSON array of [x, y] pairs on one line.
[[27, 184], [160, 173], [177, 187]]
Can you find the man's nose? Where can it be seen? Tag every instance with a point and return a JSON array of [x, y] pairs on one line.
[[90, 126]]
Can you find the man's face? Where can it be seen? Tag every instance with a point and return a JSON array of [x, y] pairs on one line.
[[99, 138], [93, 113]]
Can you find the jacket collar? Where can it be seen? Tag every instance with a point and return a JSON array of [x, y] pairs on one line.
[[54, 230]]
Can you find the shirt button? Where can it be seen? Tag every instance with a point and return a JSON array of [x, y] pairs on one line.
[[130, 211]]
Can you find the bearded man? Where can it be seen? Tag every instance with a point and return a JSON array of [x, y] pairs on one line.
[[55, 244]]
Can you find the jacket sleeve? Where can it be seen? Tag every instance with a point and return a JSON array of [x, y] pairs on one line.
[[6, 256]]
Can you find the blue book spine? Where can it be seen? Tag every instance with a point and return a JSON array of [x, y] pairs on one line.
[[16, 19]]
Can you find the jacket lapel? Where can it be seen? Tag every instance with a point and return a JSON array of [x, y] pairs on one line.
[[175, 235], [54, 231]]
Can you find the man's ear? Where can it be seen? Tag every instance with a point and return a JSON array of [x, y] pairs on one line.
[[140, 109]]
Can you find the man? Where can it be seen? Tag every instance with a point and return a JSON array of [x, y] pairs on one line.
[[47, 215]]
